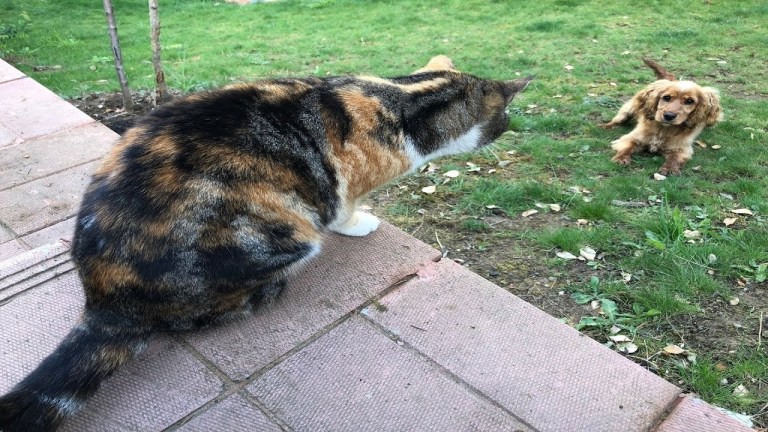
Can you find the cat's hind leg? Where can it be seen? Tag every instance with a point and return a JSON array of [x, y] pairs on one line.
[[358, 224]]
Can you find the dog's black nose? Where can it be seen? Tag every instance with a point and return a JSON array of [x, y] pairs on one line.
[[669, 116]]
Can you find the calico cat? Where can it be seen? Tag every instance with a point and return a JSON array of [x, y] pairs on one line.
[[206, 205]]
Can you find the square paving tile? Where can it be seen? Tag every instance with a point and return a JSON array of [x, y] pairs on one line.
[[345, 275], [161, 386], [42, 156], [694, 415], [354, 378], [34, 323], [43, 202], [30, 110], [63, 230], [232, 414], [164, 384], [545, 372]]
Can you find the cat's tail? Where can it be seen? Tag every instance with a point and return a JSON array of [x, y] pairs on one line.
[[60, 385]]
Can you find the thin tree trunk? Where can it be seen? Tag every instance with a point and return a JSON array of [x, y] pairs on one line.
[[161, 91], [127, 99]]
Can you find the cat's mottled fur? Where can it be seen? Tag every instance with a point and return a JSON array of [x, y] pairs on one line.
[[206, 205]]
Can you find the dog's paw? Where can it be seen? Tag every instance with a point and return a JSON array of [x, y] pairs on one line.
[[609, 125], [622, 160], [666, 171]]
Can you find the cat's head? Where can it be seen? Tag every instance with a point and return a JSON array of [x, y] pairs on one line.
[[455, 112]]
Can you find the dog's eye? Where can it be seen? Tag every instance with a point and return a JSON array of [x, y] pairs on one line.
[[689, 101], [666, 98]]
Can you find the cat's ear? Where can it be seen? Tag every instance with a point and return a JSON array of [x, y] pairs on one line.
[[438, 63], [513, 87]]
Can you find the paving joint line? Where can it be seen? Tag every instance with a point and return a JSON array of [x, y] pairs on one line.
[[668, 410], [51, 173], [35, 263], [13, 296], [272, 416], [446, 372], [14, 79]]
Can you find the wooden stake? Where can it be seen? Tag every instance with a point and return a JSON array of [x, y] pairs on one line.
[[127, 99], [161, 91]]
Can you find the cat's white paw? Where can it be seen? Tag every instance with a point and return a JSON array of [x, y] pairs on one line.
[[358, 225]]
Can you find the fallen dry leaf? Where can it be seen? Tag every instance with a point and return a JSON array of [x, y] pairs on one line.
[[582, 222], [716, 147], [727, 196], [627, 347], [452, 174], [429, 189], [734, 301], [691, 234], [742, 211], [566, 255], [701, 143], [673, 350], [529, 213], [491, 207], [554, 207], [730, 221], [504, 163], [740, 391], [620, 338], [659, 177], [568, 67], [588, 253]]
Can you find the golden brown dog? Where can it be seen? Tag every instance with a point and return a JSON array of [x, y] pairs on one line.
[[670, 115]]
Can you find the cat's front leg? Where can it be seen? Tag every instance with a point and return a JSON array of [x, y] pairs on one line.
[[358, 224]]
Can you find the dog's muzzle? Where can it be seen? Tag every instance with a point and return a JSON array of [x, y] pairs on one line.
[[669, 116]]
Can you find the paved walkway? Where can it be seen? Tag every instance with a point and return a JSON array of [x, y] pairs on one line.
[[378, 334]]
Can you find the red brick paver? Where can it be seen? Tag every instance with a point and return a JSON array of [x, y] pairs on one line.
[[694, 415]]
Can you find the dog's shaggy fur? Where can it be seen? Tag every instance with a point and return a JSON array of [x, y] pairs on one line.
[[670, 115]]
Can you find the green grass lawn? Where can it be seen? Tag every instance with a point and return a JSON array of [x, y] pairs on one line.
[[668, 270]]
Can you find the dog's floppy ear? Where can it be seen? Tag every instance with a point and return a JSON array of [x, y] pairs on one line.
[[708, 112], [646, 100]]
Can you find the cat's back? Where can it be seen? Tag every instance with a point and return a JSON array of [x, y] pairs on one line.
[[206, 186]]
